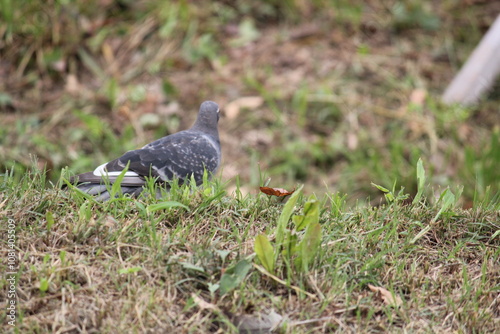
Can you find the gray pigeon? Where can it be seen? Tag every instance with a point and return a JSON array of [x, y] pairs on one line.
[[179, 155]]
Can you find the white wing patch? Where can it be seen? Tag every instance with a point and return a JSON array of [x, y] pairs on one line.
[[101, 171]]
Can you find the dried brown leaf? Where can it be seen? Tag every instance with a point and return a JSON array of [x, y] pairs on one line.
[[388, 298], [280, 192]]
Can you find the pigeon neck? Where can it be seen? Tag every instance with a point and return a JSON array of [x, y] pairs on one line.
[[206, 124]]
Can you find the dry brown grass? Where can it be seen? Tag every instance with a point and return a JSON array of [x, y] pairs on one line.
[[123, 270]]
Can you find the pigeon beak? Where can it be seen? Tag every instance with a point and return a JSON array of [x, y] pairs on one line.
[[218, 114]]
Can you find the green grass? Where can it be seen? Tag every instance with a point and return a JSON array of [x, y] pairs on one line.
[[186, 262], [351, 99]]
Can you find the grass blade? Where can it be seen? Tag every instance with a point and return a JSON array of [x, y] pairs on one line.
[[285, 216], [165, 205], [311, 214], [309, 246], [420, 181], [448, 200]]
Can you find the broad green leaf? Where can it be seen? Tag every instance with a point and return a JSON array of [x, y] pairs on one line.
[[308, 247], [233, 276], [311, 214], [285, 216], [265, 252], [420, 180], [290, 244], [447, 200], [165, 205], [298, 220]]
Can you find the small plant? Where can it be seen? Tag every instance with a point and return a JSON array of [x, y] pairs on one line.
[[390, 195], [420, 182], [296, 246]]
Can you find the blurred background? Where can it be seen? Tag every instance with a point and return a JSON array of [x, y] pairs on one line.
[[333, 94]]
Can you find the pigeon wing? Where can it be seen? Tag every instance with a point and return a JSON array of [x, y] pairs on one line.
[[175, 156]]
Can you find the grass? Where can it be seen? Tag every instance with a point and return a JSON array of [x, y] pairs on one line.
[[344, 96], [187, 262]]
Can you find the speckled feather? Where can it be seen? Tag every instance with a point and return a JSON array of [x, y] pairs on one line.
[[179, 155]]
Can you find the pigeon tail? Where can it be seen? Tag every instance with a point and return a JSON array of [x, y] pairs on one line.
[[102, 194]]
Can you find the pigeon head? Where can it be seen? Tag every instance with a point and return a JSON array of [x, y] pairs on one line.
[[207, 119]]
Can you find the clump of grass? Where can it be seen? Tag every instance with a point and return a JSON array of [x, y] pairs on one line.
[[186, 262]]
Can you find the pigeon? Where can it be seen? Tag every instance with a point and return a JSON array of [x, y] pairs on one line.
[[180, 156]]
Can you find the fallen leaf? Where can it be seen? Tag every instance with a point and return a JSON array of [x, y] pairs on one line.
[[280, 192], [388, 298]]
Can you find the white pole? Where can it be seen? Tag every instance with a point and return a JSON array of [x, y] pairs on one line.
[[479, 72]]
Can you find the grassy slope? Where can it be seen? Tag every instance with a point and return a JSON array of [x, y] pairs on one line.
[[349, 95], [115, 267]]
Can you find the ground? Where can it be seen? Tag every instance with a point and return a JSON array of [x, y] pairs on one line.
[[334, 96]]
